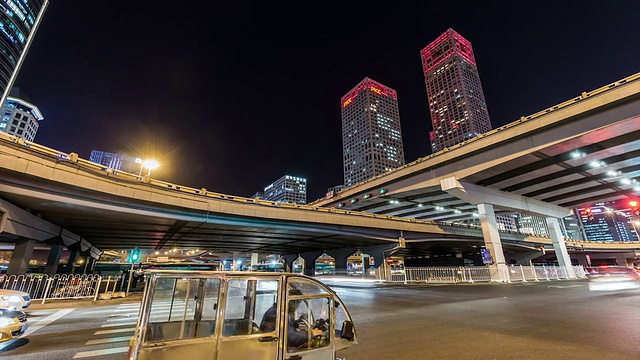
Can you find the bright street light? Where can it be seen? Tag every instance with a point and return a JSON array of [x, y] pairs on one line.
[[149, 164]]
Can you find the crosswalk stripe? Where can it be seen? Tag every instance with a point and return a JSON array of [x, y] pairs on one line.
[[117, 350], [48, 320], [114, 331], [119, 324], [108, 340]]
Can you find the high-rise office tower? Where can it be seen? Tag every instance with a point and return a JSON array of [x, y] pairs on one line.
[[456, 101], [19, 20], [602, 223], [371, 136], [287, 189], [116, 161], [20, 117]]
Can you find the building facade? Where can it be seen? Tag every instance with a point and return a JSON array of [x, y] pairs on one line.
[[114, 161], [334, 190], [603, 223], [287, 189], [19, 20], [456, 101], [371, 134], [20, 117]]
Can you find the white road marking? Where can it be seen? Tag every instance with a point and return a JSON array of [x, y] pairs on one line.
[[46, 321], [114, 331], [117, 350], [128, 318], [119, 324], [108, 340], [564, 286]]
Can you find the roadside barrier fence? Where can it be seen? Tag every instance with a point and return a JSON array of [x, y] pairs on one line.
[[470, 274], [72, 286]]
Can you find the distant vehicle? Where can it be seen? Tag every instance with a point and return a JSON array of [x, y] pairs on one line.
[[12, 323], [14, 300], [611, 278]]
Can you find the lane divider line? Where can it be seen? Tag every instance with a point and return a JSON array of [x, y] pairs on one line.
[[118, 350]]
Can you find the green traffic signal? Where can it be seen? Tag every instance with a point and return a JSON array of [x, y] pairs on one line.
[[135, 255]]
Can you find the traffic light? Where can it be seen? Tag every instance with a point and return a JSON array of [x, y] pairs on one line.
[[135, 256], [633, 204], [588, 214]]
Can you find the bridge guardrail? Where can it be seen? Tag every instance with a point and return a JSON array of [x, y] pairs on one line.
[[473, 274]]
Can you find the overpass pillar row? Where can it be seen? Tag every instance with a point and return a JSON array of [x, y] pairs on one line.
[[310, 262], [492, 241], [21, 256], [53, 260], [559, 246], [73, 255], [340, 256]]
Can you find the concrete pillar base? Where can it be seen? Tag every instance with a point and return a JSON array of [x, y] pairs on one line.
[[53, 260], [21, 256], [73, 255]]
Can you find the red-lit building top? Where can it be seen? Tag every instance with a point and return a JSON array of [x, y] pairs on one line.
[[445, 46], [369, 85]]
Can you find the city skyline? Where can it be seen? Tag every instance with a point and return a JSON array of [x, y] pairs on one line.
[[224, 121]]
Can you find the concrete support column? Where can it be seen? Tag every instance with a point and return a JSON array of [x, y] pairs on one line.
[[254, 259], [86, 265], [340, 257], [492, 240], [53, 260], [310, 262], [288, 260], [92, 267], [73, 255], [559, 246], [21, 256]]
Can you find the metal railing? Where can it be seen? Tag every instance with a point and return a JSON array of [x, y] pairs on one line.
[[470, 274], [73, 286]]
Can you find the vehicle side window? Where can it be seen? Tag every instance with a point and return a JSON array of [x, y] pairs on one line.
[[308, 325], [251, 307], [182, 309]]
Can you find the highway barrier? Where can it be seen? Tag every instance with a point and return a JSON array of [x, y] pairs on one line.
[[473, 274]]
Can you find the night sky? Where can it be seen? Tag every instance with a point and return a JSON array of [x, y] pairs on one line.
[[232, 97]]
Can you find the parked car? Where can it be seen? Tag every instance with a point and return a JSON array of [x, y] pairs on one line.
[[12, 323], [14, 300]]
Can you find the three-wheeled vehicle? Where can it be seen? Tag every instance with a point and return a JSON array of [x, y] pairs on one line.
[[214, 315]]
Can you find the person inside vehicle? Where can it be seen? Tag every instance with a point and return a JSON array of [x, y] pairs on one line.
[[296, 335]]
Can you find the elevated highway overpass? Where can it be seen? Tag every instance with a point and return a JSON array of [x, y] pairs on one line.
[[58, 198]]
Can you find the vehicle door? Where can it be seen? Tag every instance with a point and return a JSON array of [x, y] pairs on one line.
[[251, 319], [180, 320], [310, 330]]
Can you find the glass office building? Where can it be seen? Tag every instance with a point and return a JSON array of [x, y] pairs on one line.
[[19, 20]]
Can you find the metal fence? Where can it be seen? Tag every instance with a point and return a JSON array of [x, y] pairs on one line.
[[463, 274], [73, 286]]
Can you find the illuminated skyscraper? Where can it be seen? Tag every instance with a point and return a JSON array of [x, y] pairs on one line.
[[116, 161], [20, 117], [19, 20], [287, 189], [371, 136], [456, 101]]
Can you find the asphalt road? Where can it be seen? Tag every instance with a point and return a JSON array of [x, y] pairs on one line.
[[546, 320]]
